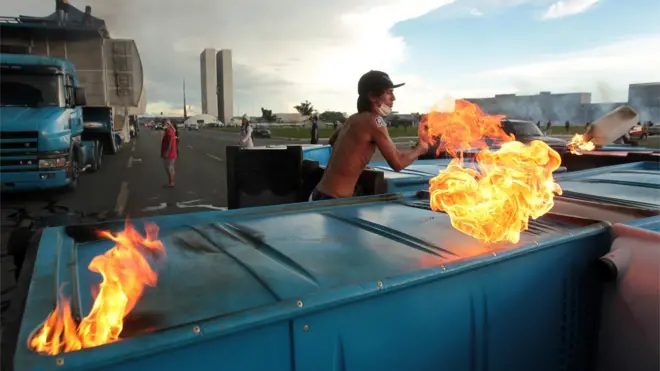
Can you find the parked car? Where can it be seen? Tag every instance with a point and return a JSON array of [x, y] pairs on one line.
[[260, 133], [638, 132], [193, 126], [524, 131]]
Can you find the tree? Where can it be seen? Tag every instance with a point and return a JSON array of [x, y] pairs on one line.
[[305, 108], [332, 116], [267, 115]]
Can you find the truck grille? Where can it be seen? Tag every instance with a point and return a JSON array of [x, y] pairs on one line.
[[18, 151]]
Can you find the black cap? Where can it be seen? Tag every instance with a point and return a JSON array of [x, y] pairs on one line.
[[375, 81]]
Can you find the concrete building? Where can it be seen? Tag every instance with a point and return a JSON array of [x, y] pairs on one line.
[[209, 81], [573, 107], [541, 107], [225, 85]]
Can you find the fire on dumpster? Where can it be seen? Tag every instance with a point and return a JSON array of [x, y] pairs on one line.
[[125, 271], [494, 201]]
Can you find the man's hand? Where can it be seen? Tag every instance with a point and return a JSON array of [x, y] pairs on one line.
[[423, 146]]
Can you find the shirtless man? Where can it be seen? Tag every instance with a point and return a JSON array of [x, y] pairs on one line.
[[355, 142]]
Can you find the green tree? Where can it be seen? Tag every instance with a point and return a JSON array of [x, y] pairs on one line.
[[305, 108], [332, 116], [267, 115]]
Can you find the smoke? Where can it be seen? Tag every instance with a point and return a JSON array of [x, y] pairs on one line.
[[604, 91]]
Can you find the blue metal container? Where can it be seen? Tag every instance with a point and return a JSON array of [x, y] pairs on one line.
[[338, 285], [651, 223], [628, 185]]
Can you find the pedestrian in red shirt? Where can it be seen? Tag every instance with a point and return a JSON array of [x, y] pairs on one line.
[[168, 151]]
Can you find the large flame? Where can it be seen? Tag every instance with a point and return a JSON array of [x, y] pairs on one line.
[[514, 183], [578, 145], [125, 272]]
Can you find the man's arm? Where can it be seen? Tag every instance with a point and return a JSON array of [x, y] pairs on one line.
[[398, 160]]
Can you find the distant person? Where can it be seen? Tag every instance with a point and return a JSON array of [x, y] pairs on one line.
[[315, 130], [246, 134], [587, 125], [62, 10], [169, 151], [356, 141], [548, 126], [87, 17], [538, 124], [568, 126]]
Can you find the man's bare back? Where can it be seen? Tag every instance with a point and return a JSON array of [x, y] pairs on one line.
[[353, 146], [351, 152]]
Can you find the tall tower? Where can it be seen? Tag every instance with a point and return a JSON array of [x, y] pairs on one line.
[[209, 81], [225, 75]]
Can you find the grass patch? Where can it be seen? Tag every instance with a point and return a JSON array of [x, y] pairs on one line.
[[305, 132], [651, 142]]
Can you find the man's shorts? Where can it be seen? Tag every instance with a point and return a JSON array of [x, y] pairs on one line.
[[169, 163]]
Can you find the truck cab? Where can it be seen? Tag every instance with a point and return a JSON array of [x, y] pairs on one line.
[[42, 123]]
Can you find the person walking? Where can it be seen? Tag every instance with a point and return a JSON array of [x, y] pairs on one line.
[[62, 10], [315, 130], [246, 134], [169, 151]]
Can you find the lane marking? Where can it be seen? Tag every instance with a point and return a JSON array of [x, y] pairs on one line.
[[133, 149], [191, 147], [122, 198], [214, 157], [131, 160]]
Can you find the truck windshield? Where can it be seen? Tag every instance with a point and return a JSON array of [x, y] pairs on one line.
[[29, 90]]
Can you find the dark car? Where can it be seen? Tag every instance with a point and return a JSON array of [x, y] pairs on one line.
[[524, 131], [260, 133]]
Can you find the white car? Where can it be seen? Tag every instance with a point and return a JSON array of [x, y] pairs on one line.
[[193, 126]]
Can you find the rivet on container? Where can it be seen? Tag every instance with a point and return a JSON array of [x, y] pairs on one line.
[[306, 328], [380, 284], [59, 361], [197, 330], [299, 303]]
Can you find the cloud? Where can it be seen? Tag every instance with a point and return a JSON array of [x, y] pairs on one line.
[[284, 51], [620, 63], [289, 51], [566, 8], [475, 12]]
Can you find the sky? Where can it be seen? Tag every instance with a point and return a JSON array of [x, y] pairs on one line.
[[288, 51]]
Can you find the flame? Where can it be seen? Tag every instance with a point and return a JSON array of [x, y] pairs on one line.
[[578, 145], [125, 271], [514, 183]]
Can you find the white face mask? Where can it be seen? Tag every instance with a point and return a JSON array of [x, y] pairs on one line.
[[384, 110]]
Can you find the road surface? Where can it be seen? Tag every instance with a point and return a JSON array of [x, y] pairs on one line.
[[130, 184]]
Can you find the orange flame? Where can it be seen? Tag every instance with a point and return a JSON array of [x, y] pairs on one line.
[[494, 203], [578, 145], [125, 271]]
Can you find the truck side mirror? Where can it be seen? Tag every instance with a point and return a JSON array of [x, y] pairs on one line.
[[79, 96]]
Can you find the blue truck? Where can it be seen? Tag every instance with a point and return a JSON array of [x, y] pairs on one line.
[[67, 97], [41, 105]]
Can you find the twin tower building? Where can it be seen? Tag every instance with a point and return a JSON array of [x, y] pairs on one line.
[[217, 84]]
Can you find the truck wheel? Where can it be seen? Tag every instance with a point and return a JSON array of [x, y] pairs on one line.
[[74, 172]]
